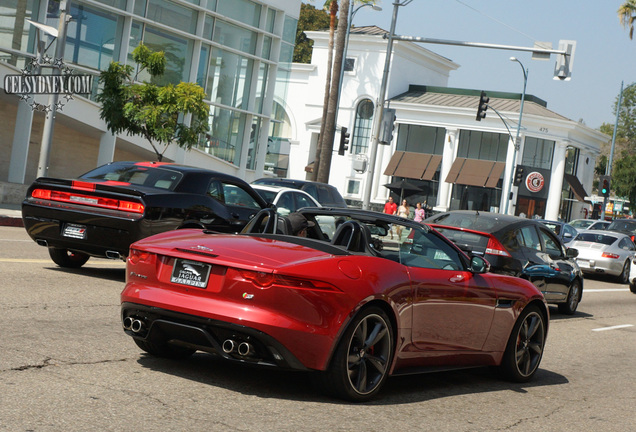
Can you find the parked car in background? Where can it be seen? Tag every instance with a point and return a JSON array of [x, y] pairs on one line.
[[520, 247], [286, 200], [564, 231], [325, 194], [351, 309], [626, 226], [605, 252], [105, 210], [588, 224], [632, 276]]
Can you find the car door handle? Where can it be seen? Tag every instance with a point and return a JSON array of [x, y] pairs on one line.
[[456, 278]]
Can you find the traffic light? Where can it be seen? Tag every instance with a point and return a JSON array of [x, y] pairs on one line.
[[387, 127], [519, 171], [604, 186], [344, 140], [483, 106]]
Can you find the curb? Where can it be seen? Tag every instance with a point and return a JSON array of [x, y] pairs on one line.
[[11, 221]]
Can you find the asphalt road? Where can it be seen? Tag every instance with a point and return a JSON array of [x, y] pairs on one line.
[[66, 365]]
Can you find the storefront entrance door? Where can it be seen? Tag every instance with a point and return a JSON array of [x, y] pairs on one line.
[[530, 207]]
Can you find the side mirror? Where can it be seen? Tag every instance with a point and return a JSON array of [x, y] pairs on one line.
[[479, 265], [571, 252]]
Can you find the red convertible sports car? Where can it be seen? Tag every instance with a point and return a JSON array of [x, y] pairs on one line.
[[382, 296]]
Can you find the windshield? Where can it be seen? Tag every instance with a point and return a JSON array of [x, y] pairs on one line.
[[581, 223], [596, 238]]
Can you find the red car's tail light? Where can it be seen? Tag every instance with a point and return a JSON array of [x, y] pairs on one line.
[[136, 256], [89, 200], [495, 247], [610, 255], [266, 280]]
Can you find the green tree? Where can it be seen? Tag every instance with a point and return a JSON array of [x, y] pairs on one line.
[[162, 114], [624, 178], [627, 16], [310, 19]]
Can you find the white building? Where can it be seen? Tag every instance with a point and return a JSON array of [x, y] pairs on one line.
[[455, 161], [239, 51]]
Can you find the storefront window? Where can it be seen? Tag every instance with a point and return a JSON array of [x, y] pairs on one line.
[[537, 153], [245, 11], [476, 198], [229, 77], [483, 145], [235, 37], [421, 139]]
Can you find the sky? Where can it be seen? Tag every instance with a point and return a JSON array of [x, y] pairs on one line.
[[604, 55]]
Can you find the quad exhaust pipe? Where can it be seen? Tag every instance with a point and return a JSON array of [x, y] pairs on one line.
[[243, 349]]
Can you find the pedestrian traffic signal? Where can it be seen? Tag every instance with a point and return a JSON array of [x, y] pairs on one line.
[[519, 171], [483, 106], [344, 140], [604, 186]]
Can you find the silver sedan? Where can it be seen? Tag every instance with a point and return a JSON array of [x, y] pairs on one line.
[[605, 252]]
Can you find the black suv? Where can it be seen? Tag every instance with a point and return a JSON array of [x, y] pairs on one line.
[[326, 195]]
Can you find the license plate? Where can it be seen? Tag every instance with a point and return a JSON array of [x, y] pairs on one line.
[[191, 273], [74, 231]]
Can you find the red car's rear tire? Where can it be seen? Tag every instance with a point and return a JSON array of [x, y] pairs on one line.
[[362, 359]]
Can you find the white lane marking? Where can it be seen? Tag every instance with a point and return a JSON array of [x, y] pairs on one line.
[[613, 327], [605, 290]]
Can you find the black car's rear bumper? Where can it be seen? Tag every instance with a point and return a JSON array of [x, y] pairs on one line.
[[106, 231]]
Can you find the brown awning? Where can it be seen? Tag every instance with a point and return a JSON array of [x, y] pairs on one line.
[[475, 172], [420, 166], [577, 187]]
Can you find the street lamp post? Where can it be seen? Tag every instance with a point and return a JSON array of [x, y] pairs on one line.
[[516, 143], [49, 121], [379, 111]]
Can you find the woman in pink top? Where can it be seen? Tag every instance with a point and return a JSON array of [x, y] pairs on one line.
[[420, 213]]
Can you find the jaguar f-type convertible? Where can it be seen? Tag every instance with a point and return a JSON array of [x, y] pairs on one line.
[[377, 296]]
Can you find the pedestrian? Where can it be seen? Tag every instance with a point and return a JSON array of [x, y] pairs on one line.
[[402, 211], [390, 208], [420, 213]]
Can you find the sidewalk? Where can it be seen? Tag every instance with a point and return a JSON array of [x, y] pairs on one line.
[[11, 215]]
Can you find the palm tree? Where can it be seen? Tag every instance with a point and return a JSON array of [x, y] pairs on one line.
[[627, 16]]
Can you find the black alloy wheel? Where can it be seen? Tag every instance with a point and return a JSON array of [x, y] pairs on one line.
[[525, 346], [572, 302], [362, 358]]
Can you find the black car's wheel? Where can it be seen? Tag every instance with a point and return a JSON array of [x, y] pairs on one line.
[[623, 278], [525, 346], [361, 362], [632, 286], [164, 350], [67, 258], [572, 302]]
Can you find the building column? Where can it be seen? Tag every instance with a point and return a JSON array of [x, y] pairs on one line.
[[448, 157], [556, 181], [21, 139], [106, 151]]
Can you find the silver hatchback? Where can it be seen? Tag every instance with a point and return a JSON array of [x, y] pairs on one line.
[[605, 252]]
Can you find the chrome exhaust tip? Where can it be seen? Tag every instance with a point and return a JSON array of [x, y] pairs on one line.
[[229, 346], [42, 242], [245, 349], [128, 323], [113, 254], [137, 325]]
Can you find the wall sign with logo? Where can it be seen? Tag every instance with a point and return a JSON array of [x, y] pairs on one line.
[[536, 183]]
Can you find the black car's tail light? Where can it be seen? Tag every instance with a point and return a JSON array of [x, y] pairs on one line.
[[496, 248], [89, 200]]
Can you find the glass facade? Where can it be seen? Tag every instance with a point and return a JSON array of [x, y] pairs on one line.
[[537, 153], [232, 48]]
